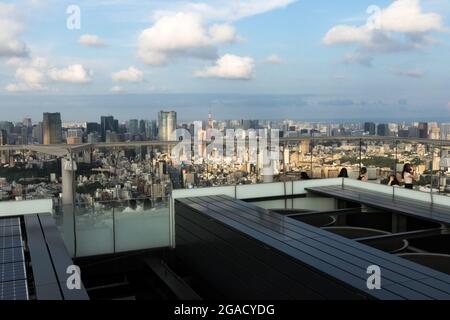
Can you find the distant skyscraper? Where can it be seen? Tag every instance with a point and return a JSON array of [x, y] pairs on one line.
[[3, 137], [37, 134], [445, 131], [24, 135], [423, 130], [143, 126], [414, 132], [93, 137], [210, 121], [403, 133], [383, 130], [151, 129], [51, 127], [93, 127], [370, 128], [26, 122], [133, 126], [108, 123], [166, 125]]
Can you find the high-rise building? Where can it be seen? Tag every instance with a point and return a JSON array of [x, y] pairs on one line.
[[383, 129], [93, 137], [143, 126], [133, 126], [26, 122], [108, 123], [3, 137], [445, 131], [37, 134], [167, 123], [423, 130], [151, 130], [51, 127], [24, 135], [435, 133], [93, 127], [75, 136], [370, 128]]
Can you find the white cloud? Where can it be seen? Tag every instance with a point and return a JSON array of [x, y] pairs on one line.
[[229, 67], [91, 40], [10, 30], [117, 89], [75, 73], [181, 34], [195, 29], [274, 59], [227, 10], [223, 34], [401, 26], [29, 79], [348, 35], [407, 16], [35, 75], [132, 74]]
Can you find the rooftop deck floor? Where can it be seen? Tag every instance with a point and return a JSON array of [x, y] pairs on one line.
[[325, 264]]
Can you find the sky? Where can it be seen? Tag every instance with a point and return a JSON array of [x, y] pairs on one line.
[[310, 59]]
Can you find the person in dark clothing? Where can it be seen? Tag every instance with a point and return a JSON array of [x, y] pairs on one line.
[[343, 173], [393, 181], [363, 174], [304, 176]]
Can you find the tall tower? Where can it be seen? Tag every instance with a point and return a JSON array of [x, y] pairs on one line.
[[51, 127], [209, 127], [167, 123], [210, 121], [107, 123], [3, 137]]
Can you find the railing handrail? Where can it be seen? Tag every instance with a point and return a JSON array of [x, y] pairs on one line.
[[156, 143]]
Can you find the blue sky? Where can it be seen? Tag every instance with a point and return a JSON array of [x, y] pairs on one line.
[[321, 48]]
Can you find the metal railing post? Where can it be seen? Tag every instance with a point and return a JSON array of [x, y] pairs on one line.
[[360, 155]]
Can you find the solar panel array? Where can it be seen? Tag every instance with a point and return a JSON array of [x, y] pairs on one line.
[[13, 278]]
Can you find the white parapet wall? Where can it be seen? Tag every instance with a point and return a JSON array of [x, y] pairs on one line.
[[262, 190], [24, 207]]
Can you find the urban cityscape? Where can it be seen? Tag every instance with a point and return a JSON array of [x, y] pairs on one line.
[[122, 173]]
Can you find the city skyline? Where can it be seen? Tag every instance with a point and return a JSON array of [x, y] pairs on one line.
[[332, 56]]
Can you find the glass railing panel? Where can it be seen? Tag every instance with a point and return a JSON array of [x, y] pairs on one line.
[[141, 224], [202, 192], [376, 187], [64, 219], [299, 186], [273, 204], [443, 176], [263, 190], [94, 229], [441, 200], [412, 194]]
